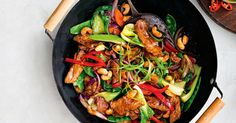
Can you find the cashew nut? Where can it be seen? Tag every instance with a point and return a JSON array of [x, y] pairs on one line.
[[180, 43], [102, 71], [126, 7], [169, 78], [185, 39], [126, 18], [86, 30], [107, 77], [109, 111], [155, 32], [100, 47]]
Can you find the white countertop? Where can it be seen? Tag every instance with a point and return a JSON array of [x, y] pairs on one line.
[[28, 91]]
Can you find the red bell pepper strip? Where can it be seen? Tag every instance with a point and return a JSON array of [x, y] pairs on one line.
[[215, 6], [83, 63], [170, 47], [152, 89], [116, 85], [156, 120], [226, 5], [95, 52], [157, 93], [167, 49]]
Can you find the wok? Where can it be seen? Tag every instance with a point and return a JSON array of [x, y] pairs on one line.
[[186, 15]]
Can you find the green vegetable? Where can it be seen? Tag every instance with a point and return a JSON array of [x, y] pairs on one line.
[[108, 96], [188, 77], [185, 97], [180, 84], [98, 25], [117, 119], [103, 57], [80, 81], [105, 86], [128, 35], [180, 55], [77, 28], [106, 19], [174, 89], [89, 70], [190, 101], [171, 24], [145, 111], [231, 1], [107, 38]]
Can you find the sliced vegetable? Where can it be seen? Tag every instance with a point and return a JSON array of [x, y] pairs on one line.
[[108, 96], [118, 119], [98, 25], [174, 89], [128, 35], [226, 5], [80, 81], [77, 28], [107, 38], [186, 97], [145, 111], [119, 17], [190, 101], [171, 24], [188, 77], [180, 84]]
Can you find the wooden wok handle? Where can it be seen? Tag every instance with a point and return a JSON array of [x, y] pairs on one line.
[[211, 111], [58, 14]]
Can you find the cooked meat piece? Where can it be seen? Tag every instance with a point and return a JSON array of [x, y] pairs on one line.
[[115, 71], [155, 103], [141, 27], [102, 105], [175, 115], [126, 121], [85, 40], [90, 89], [127, 106], [75, 70], [134, 53], [174, 58], [154, 79]]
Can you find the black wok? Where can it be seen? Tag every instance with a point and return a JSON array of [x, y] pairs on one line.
[[201, 44]]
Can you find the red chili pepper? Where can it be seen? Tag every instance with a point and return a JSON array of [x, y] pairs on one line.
[[95, 52], [146, 92], [93, 58], [157, 92], [226, 5], [116, 85], [170, 47], [156, 120], [215, 6]]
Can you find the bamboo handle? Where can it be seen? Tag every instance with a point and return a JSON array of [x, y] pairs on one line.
[[58, 14], [211, 111]]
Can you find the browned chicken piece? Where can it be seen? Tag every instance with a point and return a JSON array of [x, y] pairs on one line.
[[154, 79], [115, 71], [85, 40], [155, 103], [102, 105], [141, 27], [174, 58], [75, 70], [90, 89], [127, 106], [175, 115]]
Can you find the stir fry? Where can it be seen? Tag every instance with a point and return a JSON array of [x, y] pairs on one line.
[[128, 70]]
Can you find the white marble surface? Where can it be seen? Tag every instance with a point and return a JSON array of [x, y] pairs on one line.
[[28, 91]]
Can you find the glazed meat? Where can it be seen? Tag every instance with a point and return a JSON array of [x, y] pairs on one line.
[[115, 71], [141, 27], [175, 115], [85, 40], [75, 70], [101, 103], [153, 102], [91, 89], [127, 106]]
